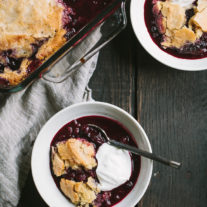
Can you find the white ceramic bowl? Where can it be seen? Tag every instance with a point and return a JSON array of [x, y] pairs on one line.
[[140, 29], [40, 155]]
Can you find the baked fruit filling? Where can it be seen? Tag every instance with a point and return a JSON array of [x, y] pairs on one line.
[[87, 171], [31, 31], [179, 25], [75, 154]]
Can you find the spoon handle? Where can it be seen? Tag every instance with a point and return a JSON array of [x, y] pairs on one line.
[[146, 154]]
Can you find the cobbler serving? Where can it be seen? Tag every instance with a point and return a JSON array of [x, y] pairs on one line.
[[88, 171], [31, 31], [178, 27]]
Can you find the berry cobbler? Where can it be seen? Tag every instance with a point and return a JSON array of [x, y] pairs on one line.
[[88, 171], [178, 27], [31, 31]]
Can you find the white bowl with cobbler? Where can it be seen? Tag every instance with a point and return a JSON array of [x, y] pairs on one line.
[[173, 31], [72, 165]]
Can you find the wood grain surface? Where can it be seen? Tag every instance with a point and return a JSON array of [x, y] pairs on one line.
[[171, 106]]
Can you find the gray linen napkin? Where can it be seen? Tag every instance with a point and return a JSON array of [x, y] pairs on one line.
[[23, 114]]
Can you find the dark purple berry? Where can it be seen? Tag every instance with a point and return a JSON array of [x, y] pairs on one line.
[[76, 131], [117, 197], [81, 177], [108, 202], [70, 130], [129, 184], [1, 68], [85, 129], [79, 125], [97, 138], [75, 122], [70, 33], [154, 29], [71, 176], [91, 173], [106, 195], [13, 63]]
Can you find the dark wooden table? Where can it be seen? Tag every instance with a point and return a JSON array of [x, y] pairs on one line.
[[171, 106]]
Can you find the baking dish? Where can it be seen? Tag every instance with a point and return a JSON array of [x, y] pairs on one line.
[[105, 26]]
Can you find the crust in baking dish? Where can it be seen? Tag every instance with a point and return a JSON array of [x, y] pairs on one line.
[[28, 28]]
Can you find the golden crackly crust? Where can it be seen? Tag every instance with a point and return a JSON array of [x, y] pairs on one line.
[[58, 164], [180, 37], [26, 22], [174, 15], [81, 194], [177, 34], [202, 4], [77, 153], [200, 19]]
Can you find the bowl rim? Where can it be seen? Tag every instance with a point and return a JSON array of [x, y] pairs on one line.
[[144, 38], [139, 127]]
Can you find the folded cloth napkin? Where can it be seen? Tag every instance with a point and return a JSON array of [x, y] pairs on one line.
[[22, 115]]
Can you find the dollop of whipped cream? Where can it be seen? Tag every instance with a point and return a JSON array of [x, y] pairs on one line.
[[187, 4], [114, 167]]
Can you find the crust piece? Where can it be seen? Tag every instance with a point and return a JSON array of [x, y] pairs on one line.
[[79, 193], [77, 152], [172, 23]]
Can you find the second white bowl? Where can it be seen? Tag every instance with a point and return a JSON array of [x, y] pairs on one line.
[[142, 34], [40, 155]]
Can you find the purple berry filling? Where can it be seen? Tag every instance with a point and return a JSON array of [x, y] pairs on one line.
[[195, 50], [79, 129]]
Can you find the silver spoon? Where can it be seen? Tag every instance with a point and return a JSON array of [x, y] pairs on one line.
[[137, 151]]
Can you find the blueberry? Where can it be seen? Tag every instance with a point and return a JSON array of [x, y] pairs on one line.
[[155, 35], [79, 125], [13, 63], [76, 131], [91, 173], [75, 122], [81, 177], [117, 197], [75, 21], [154, 29], [70, 33], [95, 2], [62, 137], [108, 202], [7, 52], [106, 195], [1, 68], [85, 129], [129, 184], [70, 130], [203, 44], [97, 138], [71, 176]]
